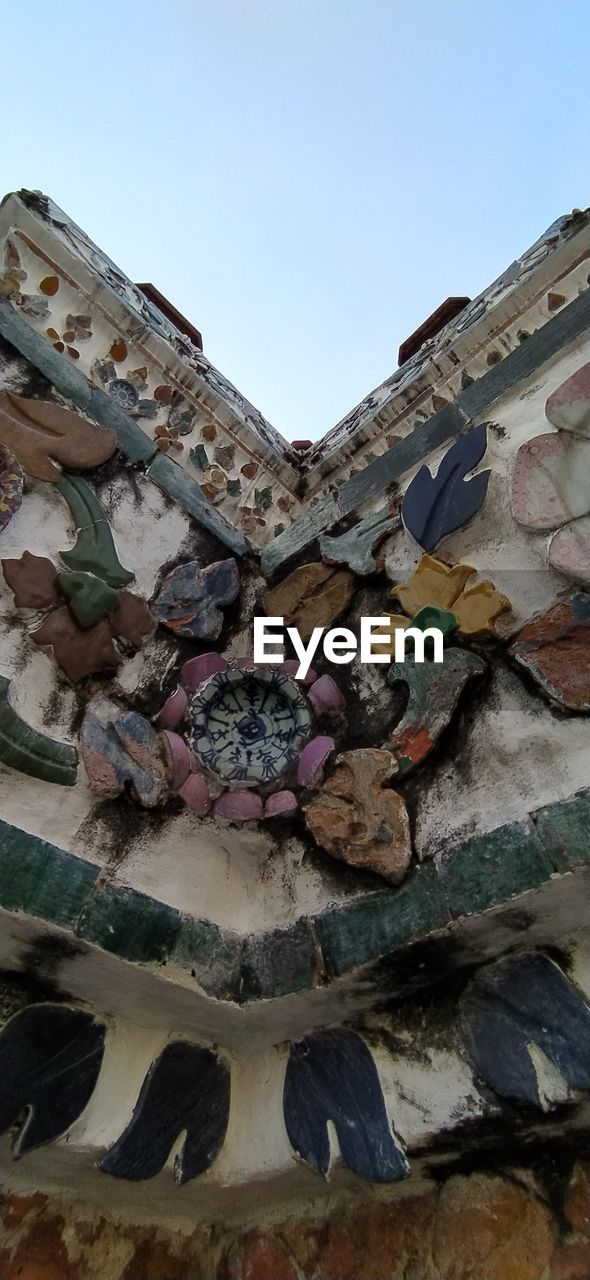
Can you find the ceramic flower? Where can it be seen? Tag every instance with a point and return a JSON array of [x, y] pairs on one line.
[[550, 490], [437, 595], [85, 622], [239, 737]]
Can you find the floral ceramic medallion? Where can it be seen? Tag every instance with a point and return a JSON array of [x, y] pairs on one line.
[[550, 491], [249, 726], [238, 738]]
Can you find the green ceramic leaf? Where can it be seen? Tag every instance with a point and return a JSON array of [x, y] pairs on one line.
[[94, 551], [90, 598], [434, 690], [32, 752]]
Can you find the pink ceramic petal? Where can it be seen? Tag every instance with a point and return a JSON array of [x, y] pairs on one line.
[[238, 806], [569, 407], [173, 710], [291, 667], [313, 759], [196, 670], [280, 803], [326, 699], [549, 482], [195, 794], [569, 550], [178, 758]]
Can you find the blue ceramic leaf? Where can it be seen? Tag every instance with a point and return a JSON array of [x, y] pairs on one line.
[[331, 1075], [521, 1001], [50, 1058], [186, 1088], [191, 598], [435, 506]]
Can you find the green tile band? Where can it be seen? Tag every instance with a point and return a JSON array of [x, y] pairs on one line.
[[41, 880], [475, 875]]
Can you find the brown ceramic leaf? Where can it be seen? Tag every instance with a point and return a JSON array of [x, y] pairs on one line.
[[59, 346], [249, 470], [69, 335], [52, 333], [43, 435], [73, 353], [313, 595], [133, 622], [209, 431], [118, 351], [33, 579], [79, 653], [49, 285]]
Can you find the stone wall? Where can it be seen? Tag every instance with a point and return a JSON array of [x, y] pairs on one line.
[[519, 1224]]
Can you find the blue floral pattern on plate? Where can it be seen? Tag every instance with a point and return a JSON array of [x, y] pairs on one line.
[[249, 726]]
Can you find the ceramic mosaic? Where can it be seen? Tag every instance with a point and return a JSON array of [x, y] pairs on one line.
[[434, 506], [232, 472], [249, 727], [246, 726], [550, 479]]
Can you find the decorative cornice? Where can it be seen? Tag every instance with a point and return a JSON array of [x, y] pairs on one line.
[[498, 339]]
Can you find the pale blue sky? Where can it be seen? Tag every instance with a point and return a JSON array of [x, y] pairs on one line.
[[305, 179]]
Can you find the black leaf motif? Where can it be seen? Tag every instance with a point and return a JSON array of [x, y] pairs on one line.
[[50, 1058], [331, 1076], [434, 506], [509, 1008], [186, 1088]]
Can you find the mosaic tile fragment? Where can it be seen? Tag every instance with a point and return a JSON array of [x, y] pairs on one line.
[[312, 596], [50, 1059], [435, 506], [29, 750], [42, 435], [569, 550], [555, 650], [11, 486], [514, 1008], [434, 691], [331, 1077], [33, 581], [568, 408], [121, 749], [191, 598], [186, 1092], [550, 481], [90, 598], [358, 819]]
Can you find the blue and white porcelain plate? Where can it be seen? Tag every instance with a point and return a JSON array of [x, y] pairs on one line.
[[250, 725]]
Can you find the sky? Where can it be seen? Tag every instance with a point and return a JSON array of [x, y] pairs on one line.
[[306, 180]]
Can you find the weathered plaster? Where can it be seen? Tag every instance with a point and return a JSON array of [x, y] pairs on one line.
[[129, 929]]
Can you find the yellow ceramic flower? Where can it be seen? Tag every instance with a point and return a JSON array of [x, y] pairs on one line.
[[443, 585]]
